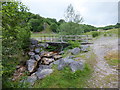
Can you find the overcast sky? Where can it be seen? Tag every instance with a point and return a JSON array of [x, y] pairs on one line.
[[94, 12]]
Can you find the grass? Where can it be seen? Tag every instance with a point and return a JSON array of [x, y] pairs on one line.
[[112, 58], [105, 32], [65, 79], [38, 34]]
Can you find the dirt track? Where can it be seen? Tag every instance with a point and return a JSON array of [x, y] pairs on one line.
[[104, 76]]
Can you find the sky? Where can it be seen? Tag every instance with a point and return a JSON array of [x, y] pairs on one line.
[[94, 12]]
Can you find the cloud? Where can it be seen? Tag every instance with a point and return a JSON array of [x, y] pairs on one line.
[[94, 12]]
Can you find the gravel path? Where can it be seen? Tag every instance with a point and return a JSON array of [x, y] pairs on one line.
[[104, 76]]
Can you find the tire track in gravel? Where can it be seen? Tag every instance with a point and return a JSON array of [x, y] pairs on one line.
[[104, 76]]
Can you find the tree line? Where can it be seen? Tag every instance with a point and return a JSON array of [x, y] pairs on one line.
[[38, 24]]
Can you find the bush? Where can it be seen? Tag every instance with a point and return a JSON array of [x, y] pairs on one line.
[[70, 28], [73, 44], [15, 38], [95, 34]]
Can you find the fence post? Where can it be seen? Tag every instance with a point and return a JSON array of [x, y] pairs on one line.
[[61, 38]]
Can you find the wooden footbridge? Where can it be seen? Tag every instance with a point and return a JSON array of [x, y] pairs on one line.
[[63, 39]]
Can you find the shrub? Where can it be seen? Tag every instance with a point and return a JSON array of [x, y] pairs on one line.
[[95, 34], [73, 44]]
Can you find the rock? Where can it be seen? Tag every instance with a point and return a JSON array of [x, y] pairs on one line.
[[34, 42], [43, 73], [75, 51], [32, 47], [31, 65], [57, 57], [47, 61], [31, 79], [62, 52], [42, 53], [55, 62], [18, 73], [32, 57], [64, 62], [31, 53], [70, 57], [76, 65], [84, 48], [49, 54], [37, 57], [41, 67], [18, 66], [37, 50], [61, 64], [68, 61], [21, 69], [44, 45]]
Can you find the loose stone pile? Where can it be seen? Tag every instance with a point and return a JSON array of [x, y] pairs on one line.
[[41, 61]]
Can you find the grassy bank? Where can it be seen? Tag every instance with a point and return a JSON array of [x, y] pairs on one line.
[[112, 58], [38, 34], [65, 79], [111, 32]]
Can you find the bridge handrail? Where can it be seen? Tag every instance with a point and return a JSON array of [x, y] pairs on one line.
[[62, 38]]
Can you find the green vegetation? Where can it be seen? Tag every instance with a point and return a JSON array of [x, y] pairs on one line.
[[112, 58], [73, 44], [15, 38], [33, 35], [71, 24], [65, 79], [17, 26], [110, 27], [95, 34], [111, 32]]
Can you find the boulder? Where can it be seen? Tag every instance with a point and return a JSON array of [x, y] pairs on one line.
[[55, 62], [64, 62], [32, 57], [84, 48], [31, 65], [31, 79], [34, 42], [47, 61], [37, 50], [70, 57], [18, 73], [49, 54], [43, 73], [42, 53], [37, 57], [68, 61], [31, 53], [44, 45], [76, 65], [75, 51], [62, 52], [41, 67], [32, 47], [57, 57]]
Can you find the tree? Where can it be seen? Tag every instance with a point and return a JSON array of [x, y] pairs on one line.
[[14, 17], [36, 25], [70, 28], [71, 16], [72, 22], [15, 37], [54, 27]]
